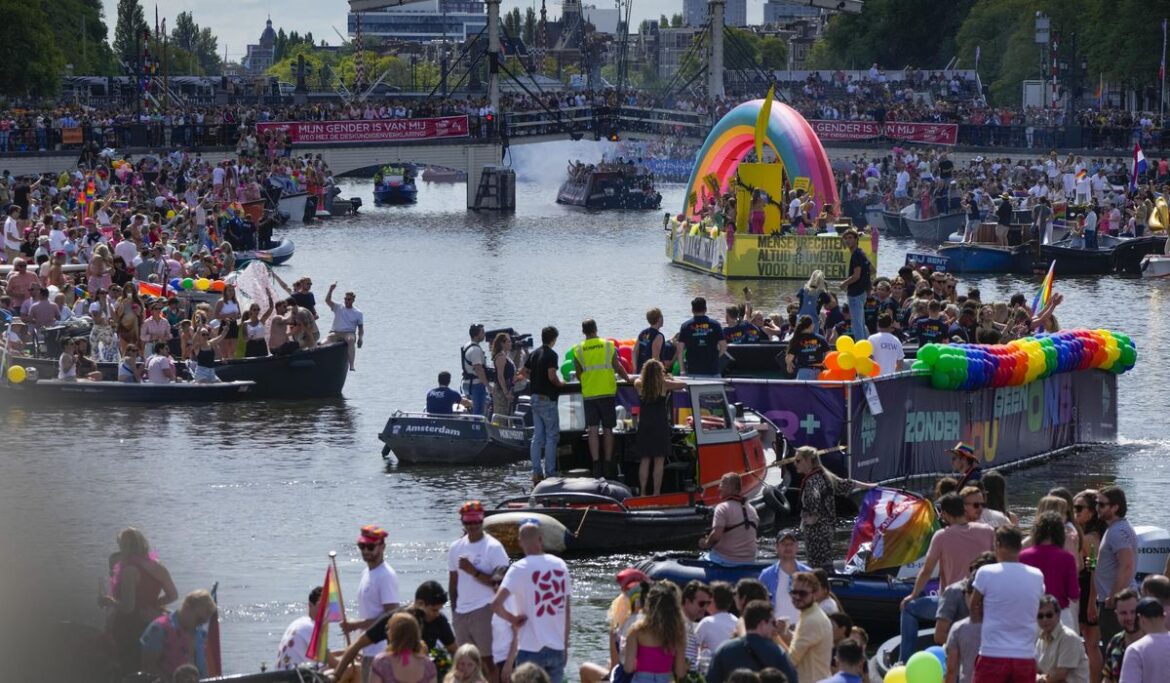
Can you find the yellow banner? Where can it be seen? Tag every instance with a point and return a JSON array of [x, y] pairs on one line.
[[766, 257]]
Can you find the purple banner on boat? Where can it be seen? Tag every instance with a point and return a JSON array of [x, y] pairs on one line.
[[917, 424], [809, 415]]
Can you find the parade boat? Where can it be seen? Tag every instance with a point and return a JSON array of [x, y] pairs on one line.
[[105, 392], [456, 439], [609, 186], [894, 223], [937, 228], [394, 184], [695, 241], [984, 255], [1072, 260], [604, 515], [1128, 256], [276, 253]]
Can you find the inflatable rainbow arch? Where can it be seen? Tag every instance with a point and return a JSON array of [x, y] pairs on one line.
[[787, 133]]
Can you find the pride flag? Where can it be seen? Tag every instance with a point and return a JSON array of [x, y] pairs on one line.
[[1045, 292], [328, 611], [897, 525]]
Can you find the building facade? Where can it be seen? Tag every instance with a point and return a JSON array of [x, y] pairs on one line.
[[455, 20], [259, 58], [734, 12], [783, 11]]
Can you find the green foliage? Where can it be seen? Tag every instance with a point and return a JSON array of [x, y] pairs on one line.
[[80, 33], [128, 31], [773, 54], [676, 21], [29, 43], [896, 33]]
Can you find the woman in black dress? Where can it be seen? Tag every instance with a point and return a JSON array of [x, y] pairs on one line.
[[654, 422]]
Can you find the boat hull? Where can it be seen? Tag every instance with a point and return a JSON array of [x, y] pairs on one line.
[[1127, 258], [986, 258], [1155, 266], [1074, 261], [420, 439], [294, 206], [396, 194], [319, 372], [895, 224], [279, 253], [104, 392], [937, 229]]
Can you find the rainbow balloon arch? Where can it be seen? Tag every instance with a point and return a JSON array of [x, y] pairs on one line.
[[966, 367], [801, 163]]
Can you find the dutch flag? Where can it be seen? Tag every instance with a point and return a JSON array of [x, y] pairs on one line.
[[1139, 167]]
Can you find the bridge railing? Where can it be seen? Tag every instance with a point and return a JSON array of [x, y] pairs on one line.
[[604, 121]]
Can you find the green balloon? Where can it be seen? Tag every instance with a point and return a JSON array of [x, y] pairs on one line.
[[920, 366], [187, 283], [940, 380], [928, 354], [924, 667], [567, 370]]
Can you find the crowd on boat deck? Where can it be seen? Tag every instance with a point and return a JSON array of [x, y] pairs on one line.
[[131, 260], [1055, 597]]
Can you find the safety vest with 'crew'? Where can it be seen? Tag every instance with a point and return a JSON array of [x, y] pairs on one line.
[[596, 359]]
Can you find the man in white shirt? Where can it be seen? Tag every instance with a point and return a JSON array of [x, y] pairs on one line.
[[12, 235], [295, 643], [887, 349], [377, 591], [1148, 660], [348, 323], [160, 369], [541, 588], [471, 561], [1007, 595], [717, 628]]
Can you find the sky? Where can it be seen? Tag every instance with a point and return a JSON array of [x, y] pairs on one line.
[[239, 22]]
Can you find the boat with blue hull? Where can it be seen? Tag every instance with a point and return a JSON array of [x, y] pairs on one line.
[[974, 257], [394, 184]]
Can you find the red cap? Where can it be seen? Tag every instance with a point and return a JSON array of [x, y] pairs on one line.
[[631, 575], [372, 534]]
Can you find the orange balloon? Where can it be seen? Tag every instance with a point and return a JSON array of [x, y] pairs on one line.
[[874, 370], [831, 361], [217, 286]]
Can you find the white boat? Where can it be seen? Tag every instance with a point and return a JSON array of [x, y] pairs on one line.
[[1156, 266], [294, 206]]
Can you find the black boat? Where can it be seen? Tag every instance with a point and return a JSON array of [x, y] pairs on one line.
[[1072, 260], [895, 224], [1127, 258], [319, 372], [595, 189], [456, 439], [128, 392]]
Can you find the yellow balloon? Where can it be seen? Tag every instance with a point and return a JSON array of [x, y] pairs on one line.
[[16, 374], [846, 360], [864, 365], [845, 345], [170, 214], [863, 349], [896, 675], [202, 284]]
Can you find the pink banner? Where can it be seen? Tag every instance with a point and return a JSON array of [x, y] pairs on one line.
[[378, 130], [929, 133]]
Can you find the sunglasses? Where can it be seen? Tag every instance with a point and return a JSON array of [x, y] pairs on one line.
[[1046, 615], [367, 546], [977, 505]]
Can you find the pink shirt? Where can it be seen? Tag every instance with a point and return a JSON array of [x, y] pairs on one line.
[[956, 546], [1059, 568]]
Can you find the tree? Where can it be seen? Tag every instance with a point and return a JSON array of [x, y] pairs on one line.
[[186, 32], [896, 33], [530, 26], [676, 21], [207, 52], [31, 45], [512, 23], [280, 46], [80, 33], [663, 22], [129, 30], [773, 54]]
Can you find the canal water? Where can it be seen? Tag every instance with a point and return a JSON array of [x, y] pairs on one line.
[[253, 496]]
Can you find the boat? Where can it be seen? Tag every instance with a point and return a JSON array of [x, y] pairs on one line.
[[609, 189], [869, 599], [456, 439], [298, 206], [319, 372], [277, 253], [895, 224], [606, 516], [105, 392], [984, 257], [439, 174], [394, 184], [1156, 266], [936, 228], [1128, 256], [1072, 260], [874, 217]]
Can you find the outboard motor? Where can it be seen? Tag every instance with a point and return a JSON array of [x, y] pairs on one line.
[[356, 202], [310, 209]]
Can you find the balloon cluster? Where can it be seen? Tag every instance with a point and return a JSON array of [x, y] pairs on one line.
[[625, 352], [927, 666], [1021, 361], [850, 360], [201, 284]]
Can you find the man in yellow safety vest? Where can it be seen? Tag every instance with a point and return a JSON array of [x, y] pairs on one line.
[[596, 361]]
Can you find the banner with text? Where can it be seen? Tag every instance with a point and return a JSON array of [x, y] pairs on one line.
[[378, 130], [846, 131], [917, 424]]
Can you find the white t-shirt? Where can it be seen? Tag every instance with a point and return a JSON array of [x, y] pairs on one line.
[[713, 631], [378, 587], [887, 351], [12, 234], [502, 633], [472, 356], [486, 554], [1011, 596], [903, 181], [994, 518], [346, 319], [156, 367], [127, 250], [294, 644], [57, 239], [541, 586]]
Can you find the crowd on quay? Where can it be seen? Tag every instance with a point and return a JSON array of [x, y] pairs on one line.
[[1056, 599], [99, 250]]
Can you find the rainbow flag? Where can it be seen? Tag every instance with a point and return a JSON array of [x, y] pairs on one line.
[[1045, 292], [898, 526], [1081, 174], [328, 611]]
